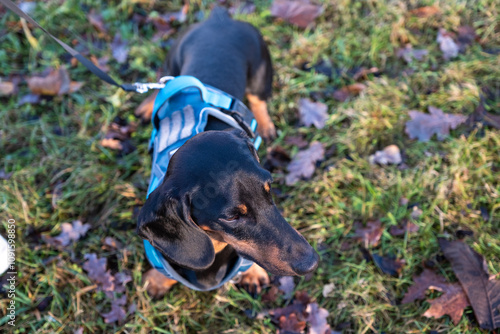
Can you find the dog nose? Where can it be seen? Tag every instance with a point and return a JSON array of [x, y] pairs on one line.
[[307, 265]]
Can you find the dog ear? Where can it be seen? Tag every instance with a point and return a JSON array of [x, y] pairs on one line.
[[165, 221]]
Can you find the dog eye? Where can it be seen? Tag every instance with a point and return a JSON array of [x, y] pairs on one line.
[[232, 218]]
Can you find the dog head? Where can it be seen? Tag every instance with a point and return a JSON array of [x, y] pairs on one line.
[[215, 192]]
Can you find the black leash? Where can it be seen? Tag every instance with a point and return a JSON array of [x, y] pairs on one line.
[[136, 87]]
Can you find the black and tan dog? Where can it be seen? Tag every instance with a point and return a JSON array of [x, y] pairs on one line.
[[220, 168]]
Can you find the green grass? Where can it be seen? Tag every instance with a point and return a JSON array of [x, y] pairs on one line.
[[57, 143]]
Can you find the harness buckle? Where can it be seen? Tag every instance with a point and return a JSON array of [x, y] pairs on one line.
[[142, 88]]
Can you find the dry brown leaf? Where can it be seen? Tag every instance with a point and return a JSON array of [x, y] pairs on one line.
[[298, 141], [117, 313], [452, 302], [97, 22], [447, 44], [388, 264], [348, 91], [422, 283], [389, 155], [290, 324], [407, 226], [370, 234], [465, 37], [287, 285], [113, 144], [57, 82], [120, 49], [317, 319], [424, 126], [300, 13], [408, 53], [7, 88], [363, 72], [425, 11], [472, 271], [96, 269], [313, 113], [102, 62], [304, 163], [70, 233]]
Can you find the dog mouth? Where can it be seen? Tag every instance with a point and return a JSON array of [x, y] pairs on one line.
[[272, 260]]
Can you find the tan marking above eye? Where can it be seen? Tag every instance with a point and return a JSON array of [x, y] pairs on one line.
[[267, 187], [243, 209]]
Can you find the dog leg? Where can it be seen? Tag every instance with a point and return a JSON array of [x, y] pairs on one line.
[[157, 285], [259, 109], [145, 109], [254, 279]]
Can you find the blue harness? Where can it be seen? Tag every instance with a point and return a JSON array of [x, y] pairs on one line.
[[176, 118]]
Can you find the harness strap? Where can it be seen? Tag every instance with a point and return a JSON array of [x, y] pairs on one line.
[[229, 105], [85, 62]]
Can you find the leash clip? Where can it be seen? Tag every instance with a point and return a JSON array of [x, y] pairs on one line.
[[142, 88]]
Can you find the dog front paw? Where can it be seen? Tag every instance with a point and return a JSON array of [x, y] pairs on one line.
[[157, 284], [267, 131], [254, 279]]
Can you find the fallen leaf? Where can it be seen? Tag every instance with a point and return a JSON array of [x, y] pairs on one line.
[[369, 235], [70, 233], [113, 144], [300, 13], [472, 272], [408, 53], [425, 11], [363, 72], [7, 88], [271, 295], [118, 135], [276, 158], [452, 302], [313, 113], [388, 264], [244, 8], [296, 141], [322, 67], [328, 289], [304, 163], [447, 44], [121, 279], [290, 324], [57, 82], [4, 175], [488, 119], [389, 155], [179, 15], [416, 213], [119, 48], [102, 62], [287, 285], [423, 126], [112, 243], [117, 312], [407, 226], [96, 270], [30, 99], [317, 319], [422, 283], [79, 330], [346, 92], [97, 22], [465, 37]]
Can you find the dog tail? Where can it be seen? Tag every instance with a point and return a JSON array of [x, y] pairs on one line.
[[219, 14]]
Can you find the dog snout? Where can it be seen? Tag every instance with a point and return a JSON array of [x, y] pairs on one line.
[[306, 263]]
